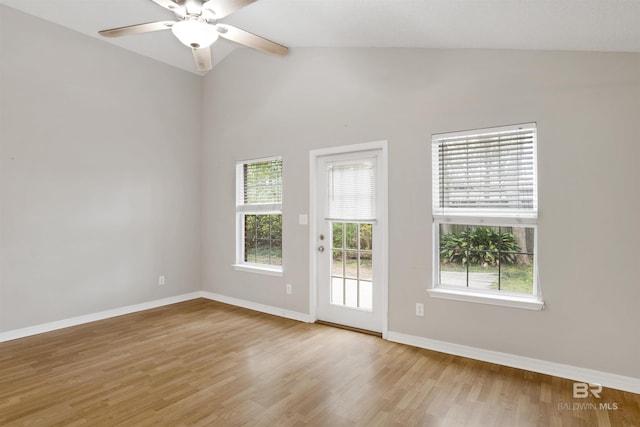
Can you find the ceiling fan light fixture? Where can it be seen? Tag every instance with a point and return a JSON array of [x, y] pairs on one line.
[[195, 34]]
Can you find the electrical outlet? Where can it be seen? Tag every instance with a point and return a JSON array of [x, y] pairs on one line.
[[289, 289], [419, 309], [161, 281]]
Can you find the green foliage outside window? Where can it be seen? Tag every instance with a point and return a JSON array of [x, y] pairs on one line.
[[263, 239], [485, 246], [350, 233]]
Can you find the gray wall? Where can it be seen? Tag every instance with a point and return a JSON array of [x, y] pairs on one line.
[[587, 107], [100, 175]]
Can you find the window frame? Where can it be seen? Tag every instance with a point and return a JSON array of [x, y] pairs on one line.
[[242, 210], [470, 217]]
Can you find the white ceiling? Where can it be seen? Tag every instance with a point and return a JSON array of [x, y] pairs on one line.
[[587, 25]]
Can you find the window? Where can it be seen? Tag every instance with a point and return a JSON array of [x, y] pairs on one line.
[[259, 215], [485, 216]]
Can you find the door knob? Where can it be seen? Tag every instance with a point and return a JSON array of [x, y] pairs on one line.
[[320, 248]]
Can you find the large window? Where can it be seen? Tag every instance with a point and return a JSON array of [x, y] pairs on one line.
[[485, 216], [259, 215]]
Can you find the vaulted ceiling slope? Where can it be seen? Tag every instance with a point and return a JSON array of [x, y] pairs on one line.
[[584, 25]]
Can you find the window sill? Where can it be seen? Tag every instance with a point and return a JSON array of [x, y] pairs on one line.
[[259, 269], [528, 303]]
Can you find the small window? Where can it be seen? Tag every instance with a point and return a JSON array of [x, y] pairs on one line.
[[259, 215], [485, 216]]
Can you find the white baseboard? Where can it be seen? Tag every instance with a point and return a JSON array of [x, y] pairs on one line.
[[276, 311], [73, 321], [605, 379]]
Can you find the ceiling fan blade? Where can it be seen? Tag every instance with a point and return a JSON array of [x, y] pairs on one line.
[[251, 40], [202, 57], [172, 6], [222, 8], [137, 29]]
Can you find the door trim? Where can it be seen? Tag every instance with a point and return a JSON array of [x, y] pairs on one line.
[[382, 225]]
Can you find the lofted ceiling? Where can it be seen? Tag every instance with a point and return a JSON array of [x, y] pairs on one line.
[[584, 25]]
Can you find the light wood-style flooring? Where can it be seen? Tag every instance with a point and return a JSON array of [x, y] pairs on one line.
[[209, 364]]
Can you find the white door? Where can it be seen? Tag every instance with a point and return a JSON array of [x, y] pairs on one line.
[[350, 239]]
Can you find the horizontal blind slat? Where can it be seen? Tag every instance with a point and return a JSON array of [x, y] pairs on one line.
[[473, 139], [488, 146]]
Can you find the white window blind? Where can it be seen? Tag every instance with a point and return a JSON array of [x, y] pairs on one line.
[[352, 191], [485, 172], [261, 189]]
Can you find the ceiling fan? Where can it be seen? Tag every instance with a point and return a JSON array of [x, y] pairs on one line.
[[197, 27]]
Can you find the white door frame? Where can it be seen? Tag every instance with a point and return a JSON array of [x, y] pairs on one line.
[[382, 223]]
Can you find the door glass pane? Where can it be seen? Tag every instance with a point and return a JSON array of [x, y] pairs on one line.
[[366, 272], [337, 234], [351, 292], [337, 263], [366, 294], [366, 237], [351, 265], [337, 290], [351, 235]]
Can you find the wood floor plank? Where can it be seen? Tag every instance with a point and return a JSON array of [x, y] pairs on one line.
[[203, 363]]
